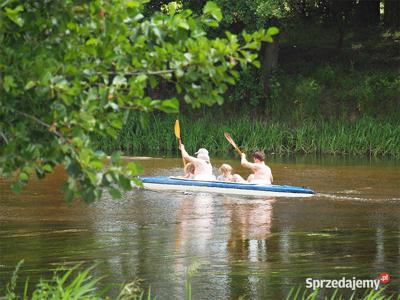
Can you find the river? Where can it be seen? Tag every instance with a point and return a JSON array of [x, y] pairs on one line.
[[258, 248]]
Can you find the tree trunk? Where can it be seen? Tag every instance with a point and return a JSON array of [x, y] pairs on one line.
[[368, 12], [269, 61], [392, 13]]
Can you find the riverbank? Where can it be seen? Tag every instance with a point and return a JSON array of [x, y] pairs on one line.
[[79, 283], [321, 100], [365, 136]]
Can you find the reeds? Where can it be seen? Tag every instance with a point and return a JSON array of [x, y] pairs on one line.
[[366, 136], [73, 283], [300, 293]]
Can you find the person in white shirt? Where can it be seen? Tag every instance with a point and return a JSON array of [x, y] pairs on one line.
[[202, 164]]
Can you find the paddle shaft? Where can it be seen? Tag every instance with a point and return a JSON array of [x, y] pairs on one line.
[[177, 130], [230, 140]]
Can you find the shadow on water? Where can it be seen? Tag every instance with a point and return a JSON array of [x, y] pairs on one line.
[[254, 247]]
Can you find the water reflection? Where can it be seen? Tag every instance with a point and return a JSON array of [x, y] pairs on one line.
[[194, 222], [224, 231]]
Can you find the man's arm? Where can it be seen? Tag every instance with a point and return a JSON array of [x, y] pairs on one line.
[[245, 163], [186, 155]]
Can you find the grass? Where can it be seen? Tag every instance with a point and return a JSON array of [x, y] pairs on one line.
[[365, 136], [300, 293], [71, 284], [74, 283]]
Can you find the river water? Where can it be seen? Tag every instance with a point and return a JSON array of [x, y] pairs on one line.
[[258, 248]]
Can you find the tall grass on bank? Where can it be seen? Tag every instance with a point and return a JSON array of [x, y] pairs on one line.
[[304, 294], [365, 136], [70, 284], [73, 284]]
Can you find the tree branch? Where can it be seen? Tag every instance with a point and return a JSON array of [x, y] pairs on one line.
[[49, 127], [4, 137]]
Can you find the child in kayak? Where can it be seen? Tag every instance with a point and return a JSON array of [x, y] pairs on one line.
[[226, 174], [189, 171], [261, 172], [202, 165]]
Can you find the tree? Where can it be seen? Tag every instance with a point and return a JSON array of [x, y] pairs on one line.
[[71, 69], [368, 12], [392, 13]]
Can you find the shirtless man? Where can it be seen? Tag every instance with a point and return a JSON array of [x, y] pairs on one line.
[[261, 172], [202, 165]]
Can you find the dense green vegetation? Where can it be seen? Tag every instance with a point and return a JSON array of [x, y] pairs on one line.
[[366, 136], [70, 69], [327, 82], [335, 89]]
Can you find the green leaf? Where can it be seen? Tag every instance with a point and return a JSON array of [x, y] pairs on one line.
[[91, 41], [16, 187], [30, 85], [8, 83], [88, 195], [116, 123], [47, 168], [182, 23], [96, 164], [115, 193], [23, 176], [13, 15], [134, 168], [170, 106], [125, 183], [256, 63], [212, 9], [141, 78], [272, 31], [69, 195], [119, 81], [171, 7]]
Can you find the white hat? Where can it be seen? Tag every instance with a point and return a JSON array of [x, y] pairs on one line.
[[202, 153]]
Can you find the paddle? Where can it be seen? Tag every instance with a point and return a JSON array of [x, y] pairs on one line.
[[230, 140], [177, 129]]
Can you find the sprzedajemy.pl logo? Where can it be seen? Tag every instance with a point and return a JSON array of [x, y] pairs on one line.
[[348, 283]]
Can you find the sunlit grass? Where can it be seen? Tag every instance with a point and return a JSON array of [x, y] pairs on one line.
[[365, 136]]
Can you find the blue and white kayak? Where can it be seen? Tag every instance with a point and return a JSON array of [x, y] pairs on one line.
[[220, 187]]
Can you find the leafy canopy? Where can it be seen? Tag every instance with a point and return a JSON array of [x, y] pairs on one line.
[[72, 69]]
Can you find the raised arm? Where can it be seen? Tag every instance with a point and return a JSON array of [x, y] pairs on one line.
[[186, 155], [245, 163]]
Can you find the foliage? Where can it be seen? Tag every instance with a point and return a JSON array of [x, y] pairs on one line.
[[248, 91], [70, 70], [254, 13]]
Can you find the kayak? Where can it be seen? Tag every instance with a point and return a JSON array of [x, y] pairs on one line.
[[221, 187]]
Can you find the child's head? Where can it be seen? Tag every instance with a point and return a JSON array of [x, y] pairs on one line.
[[189, 168], [225, 169], [258, 156]]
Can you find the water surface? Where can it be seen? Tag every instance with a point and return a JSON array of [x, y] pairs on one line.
[[258, 248]]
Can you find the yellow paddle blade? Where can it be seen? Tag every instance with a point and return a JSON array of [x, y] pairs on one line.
[[177, 129]]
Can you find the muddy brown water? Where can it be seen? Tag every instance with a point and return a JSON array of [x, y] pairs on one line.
[[258, 248]]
